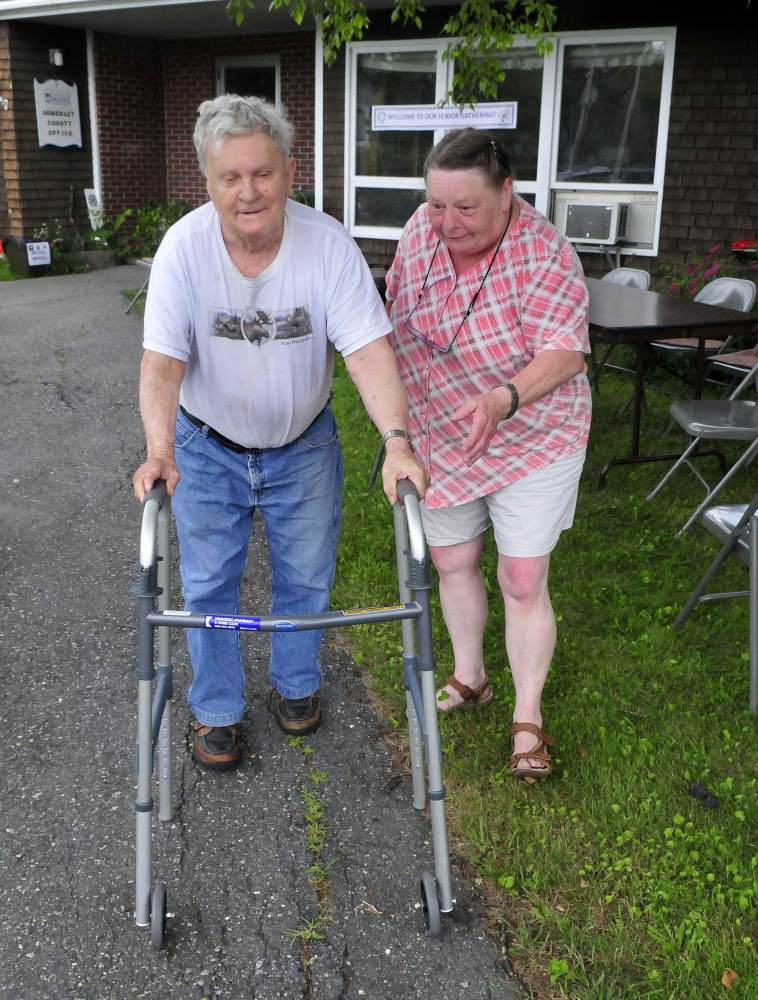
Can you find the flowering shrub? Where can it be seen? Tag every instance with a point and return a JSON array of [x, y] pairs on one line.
[[689, 278], [152, 222], [64, 244]]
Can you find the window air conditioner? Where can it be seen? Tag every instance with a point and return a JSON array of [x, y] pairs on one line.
[[595, 222]]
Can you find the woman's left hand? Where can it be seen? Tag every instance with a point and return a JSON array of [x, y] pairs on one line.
[[485, 412]]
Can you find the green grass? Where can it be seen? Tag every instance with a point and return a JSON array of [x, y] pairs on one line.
[[139, 306], [615, 881], [5, 272]]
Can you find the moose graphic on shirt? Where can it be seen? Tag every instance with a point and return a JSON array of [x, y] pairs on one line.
[[262, 326]]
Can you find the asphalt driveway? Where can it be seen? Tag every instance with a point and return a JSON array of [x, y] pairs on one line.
[[236, 855]]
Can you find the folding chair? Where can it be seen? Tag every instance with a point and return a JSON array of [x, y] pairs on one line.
[[143, 262], [736, 525], [618, 276], [736, 364], [729, 419], [729, 293]]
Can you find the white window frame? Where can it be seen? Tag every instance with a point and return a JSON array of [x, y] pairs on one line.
[[567, 39], [232, 62], [353, 180], [546, 184]]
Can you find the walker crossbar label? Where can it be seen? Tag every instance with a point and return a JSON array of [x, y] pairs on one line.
[[234, 622], [367, 611]]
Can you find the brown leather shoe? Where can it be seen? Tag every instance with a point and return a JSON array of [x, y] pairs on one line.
[[216, 748], [298, 716]]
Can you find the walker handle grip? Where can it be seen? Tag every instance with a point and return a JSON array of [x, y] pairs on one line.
[[158, 492], [407, 491], [404, 487]]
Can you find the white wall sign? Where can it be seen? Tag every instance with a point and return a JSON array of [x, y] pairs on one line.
[[417, 117], [37, 254], [58, 121]]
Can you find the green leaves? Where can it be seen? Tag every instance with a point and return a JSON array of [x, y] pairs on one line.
[[235, 10], [481, 28]]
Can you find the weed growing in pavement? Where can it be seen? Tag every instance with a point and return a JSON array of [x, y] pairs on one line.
[[616, 881], [310, 930]]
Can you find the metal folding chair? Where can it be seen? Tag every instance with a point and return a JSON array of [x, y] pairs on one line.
[[731, 419], [736, 525], [143, 262], [729, 293], [618, 276]]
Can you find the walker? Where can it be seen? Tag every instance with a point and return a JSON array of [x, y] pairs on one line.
[[154, 707]]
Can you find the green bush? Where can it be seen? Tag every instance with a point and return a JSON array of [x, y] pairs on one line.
[[64, 244], [304, 196], [152, 223]]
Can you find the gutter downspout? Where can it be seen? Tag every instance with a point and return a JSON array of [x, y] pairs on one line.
[[318, 131], [97, 183]]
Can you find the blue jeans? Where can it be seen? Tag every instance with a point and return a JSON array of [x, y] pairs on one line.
[[298, 489]]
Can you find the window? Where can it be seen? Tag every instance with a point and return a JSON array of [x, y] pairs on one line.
[[250, 76], [386, 168], [610, 109], [523, 68], [591, 127]]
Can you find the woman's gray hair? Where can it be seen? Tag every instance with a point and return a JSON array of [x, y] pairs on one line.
[[230, 115], [471, 149]]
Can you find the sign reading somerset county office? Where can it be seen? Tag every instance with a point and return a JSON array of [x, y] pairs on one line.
[[421, 117], [58, 122]]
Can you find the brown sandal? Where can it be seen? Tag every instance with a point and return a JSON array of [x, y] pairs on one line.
[[477, 697], [538, 752]]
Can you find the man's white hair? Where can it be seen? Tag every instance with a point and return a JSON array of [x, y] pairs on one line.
[[230, 115]]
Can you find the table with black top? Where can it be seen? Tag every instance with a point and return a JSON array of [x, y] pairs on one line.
[[620, 314]]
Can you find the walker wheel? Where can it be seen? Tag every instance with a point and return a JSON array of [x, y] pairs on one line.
[[430, 905], [158, 916]]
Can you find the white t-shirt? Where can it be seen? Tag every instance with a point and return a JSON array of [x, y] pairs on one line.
[[260, 351]]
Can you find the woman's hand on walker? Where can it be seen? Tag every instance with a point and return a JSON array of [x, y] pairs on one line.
[[400, 463], [485, 412]]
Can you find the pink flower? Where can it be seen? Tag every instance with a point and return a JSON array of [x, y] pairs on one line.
[[712, 270], [672, 286], [689, 270], [717, 247], [692, 291], [694, 282]]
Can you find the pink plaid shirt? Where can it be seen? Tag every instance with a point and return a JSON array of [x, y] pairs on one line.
[[534, 299]]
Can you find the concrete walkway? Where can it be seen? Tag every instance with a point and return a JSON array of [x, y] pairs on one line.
[[236, 855]]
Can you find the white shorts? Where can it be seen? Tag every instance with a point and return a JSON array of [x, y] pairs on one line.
[[527, 515]]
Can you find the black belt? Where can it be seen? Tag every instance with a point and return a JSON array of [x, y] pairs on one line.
[[225, 441]]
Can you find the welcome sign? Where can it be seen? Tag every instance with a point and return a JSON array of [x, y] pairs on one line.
[[58, 121], [420, 117]]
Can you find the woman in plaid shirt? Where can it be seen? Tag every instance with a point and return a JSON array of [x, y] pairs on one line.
[[489, 311]]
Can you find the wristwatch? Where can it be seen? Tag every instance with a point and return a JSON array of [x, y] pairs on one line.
[[514, 399], [395, 433]]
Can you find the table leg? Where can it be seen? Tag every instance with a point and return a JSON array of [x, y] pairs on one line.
[[639, 390]]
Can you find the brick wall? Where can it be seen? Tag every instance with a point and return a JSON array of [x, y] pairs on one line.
[[334, 138], [131, 118], [40, 180], [711, 187], [189, 73]]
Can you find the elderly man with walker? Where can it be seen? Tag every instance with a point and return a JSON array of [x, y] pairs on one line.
[[249, 297]]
